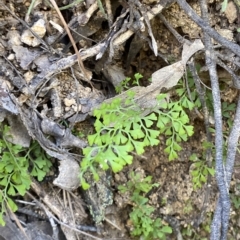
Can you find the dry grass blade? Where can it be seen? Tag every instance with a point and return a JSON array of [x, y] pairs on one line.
[[87, 75], [58, 211]]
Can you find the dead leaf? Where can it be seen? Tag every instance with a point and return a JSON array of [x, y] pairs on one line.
[[18, 134], [166, 77], [6, 102], [25, 56]]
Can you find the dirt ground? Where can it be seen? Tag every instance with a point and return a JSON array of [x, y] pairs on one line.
[[44, 79]]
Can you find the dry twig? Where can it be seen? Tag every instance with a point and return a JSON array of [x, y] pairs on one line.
[[201, 94], [59, 212], [87, 75]]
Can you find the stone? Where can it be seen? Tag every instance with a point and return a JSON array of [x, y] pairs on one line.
[[69, 102], [39, 28]]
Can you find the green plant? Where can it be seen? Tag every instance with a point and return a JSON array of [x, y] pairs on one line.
[[101, 8], [74, 3], [173, 124], [125, 84], [185, 100], [235, 201], [224, 5], [200, 171], [227, 110], [188, 208], [163, 201], [79, 134], [189, 232], [142, 213], [16, 162], [120, 129], [38, 160]]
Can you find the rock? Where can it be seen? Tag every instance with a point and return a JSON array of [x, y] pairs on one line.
[[77, 108], [28, 76], [11, 57], [14, 38], [231, 12], [69, 102], [39, 28], [68, 177]]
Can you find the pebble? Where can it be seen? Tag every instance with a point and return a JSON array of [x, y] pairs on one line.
[[69, 102], [39, 28], [231, 12]]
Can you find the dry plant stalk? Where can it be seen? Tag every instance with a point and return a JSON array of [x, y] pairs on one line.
[[87, 74]]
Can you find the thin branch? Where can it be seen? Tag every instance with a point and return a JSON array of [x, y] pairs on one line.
[[180, 39], [201, 94], [150, 14], [220, 174], [235, 78], [60, 65], [232, 144]]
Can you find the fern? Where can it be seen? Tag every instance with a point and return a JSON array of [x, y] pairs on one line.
[[15, 164], [121, 130], [141, 216]]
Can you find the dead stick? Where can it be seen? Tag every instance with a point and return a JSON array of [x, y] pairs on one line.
[[80, 63]]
